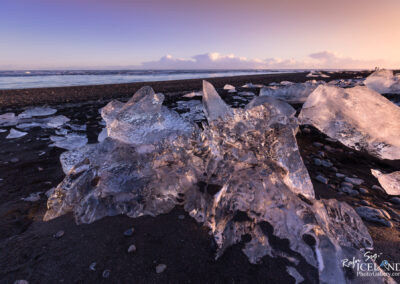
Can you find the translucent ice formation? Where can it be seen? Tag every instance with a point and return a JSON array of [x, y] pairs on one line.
[[389, 182], [242, 175], [293, 93], [358, 117], [383, 81]]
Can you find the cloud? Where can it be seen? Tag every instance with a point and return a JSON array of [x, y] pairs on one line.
[[215, 60]]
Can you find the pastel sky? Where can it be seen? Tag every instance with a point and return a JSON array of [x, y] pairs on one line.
[[40, 34]]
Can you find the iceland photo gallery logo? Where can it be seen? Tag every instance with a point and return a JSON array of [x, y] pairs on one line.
[[372, 264]]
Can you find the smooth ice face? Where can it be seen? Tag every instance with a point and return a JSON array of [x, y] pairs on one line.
[[214, 106], [143, 120], [294, 93], [383, 81], [389, 182], [358, 117], [241, 175]]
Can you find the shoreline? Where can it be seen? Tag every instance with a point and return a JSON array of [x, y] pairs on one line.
[[75, 94]]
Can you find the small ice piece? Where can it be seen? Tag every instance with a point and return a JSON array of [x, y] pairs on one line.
[[214, 106], [193, 94], [283, 107], [315, 74], [252, 86], [70, 141], [102, 135], [77, 127], [37, 111], [294, 93], [15, 134], [389, 182], [230, 88], [3, 130], [357, 117], [285, 83], [57, 121], [33, 197], [8, 119], [48, 122], [383, 81]]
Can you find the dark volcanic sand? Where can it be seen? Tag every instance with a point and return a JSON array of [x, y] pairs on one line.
[[29, 251]]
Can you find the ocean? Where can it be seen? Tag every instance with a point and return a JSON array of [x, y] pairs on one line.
[[59, 78]]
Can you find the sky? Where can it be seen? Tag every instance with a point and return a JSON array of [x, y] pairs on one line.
[[207, 34]]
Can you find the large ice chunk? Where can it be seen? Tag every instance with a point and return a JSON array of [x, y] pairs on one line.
[[358, 117], [389, 182], [242, 175], [383, 81], [294, 93]]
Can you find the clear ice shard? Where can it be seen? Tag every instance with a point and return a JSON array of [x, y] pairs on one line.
[[15, 134], [214, 106], [383, 81], [293, 93], [358, 117], [389, 182], [241, 175]]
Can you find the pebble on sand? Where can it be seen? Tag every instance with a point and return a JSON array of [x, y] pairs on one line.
[[106, 273], [132, 248], [160, 268], [129, 232], [59, 234]]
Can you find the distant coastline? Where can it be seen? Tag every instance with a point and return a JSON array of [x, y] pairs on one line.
[[58, 95]]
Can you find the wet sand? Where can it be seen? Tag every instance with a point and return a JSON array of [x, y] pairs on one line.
[[29, 250]]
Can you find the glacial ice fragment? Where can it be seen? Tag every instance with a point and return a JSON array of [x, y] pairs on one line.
[[230, 88], [293, 93], [244, 163], [383, 81], [143, 120], [193, 94], [15, 134], [358, 117], [389, 182]]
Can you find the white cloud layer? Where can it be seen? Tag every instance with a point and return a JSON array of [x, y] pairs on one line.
[[323, 59]]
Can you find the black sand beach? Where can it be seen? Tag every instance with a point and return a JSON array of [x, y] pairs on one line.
[[29, 250]]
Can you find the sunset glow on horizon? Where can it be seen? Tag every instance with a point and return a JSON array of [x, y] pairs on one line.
[[217, 34]]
